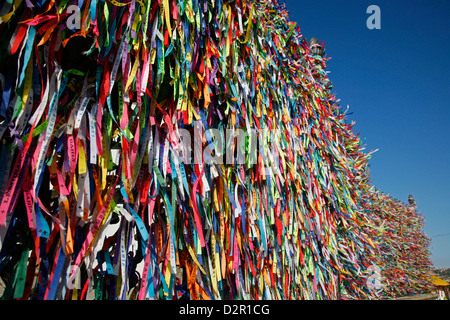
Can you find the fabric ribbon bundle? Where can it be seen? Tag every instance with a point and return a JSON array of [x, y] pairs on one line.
[[102, 105], [402, 251]]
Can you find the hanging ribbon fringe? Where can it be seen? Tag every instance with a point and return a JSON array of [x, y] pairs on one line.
[[128, 164]]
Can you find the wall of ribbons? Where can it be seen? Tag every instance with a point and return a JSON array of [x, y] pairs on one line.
[[185, 149]]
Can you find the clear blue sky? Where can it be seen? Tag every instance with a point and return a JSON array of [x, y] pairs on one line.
[[396, 81]]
